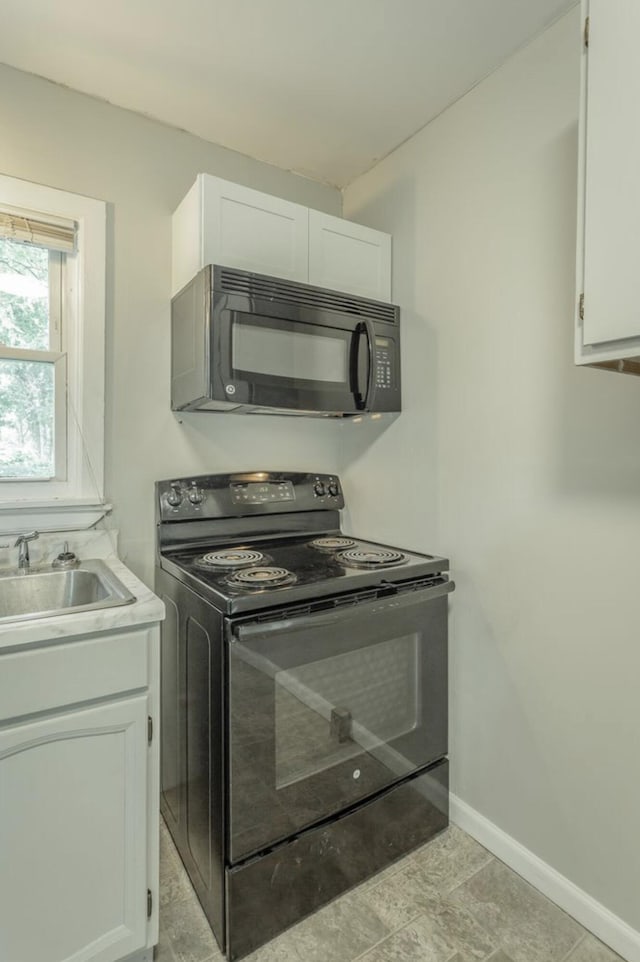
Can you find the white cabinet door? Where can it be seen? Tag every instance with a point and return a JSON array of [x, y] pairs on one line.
[[73, 835], [219, 222], [344, 256], [609, 230]]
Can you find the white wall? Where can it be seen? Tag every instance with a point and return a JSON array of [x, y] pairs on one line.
[[521, 467], [54, 136]]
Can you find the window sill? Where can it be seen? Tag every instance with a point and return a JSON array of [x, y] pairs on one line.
[[20, 516]]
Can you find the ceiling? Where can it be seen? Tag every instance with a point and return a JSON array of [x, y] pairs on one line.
[[322, 87]]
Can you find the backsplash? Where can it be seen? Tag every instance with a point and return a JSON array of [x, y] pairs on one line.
[[86, 544]]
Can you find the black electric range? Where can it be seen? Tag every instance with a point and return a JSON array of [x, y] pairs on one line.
[[304, 697]]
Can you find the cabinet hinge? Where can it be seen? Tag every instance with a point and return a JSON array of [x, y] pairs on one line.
[[586, 32], [149, 903], [149, 729], [581, 307]]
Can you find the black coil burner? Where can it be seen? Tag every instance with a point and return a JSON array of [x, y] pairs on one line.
[[259, 579], [333, 543], [371, 558], [230, 558]]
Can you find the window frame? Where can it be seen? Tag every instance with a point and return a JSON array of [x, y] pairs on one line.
[[83, 298]]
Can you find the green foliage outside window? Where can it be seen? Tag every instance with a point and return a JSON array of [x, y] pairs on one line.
[[26, 386]]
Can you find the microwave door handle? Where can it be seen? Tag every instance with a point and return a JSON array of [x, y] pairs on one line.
[[373, 365], [358, 371], [254, 632], [363, 370]]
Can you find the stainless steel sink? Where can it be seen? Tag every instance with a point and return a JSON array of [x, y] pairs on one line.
[[43, 593]]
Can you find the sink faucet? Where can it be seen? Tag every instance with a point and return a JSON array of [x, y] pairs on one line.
[[22, 542]]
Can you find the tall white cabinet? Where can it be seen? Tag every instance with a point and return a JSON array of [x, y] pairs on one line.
[[79, 799], [219, 222], [608, 258]]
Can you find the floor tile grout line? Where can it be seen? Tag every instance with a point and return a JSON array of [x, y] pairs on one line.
[[395, 931], [372, 884], [585, 931], [413, 919], [582, 938], [494, 858], [489, 860]]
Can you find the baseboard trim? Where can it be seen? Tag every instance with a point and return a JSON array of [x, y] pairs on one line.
[[606, 926], [143, 955]]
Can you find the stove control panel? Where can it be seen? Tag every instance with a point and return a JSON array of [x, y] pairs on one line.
[[174, 495], [259, 492], [246, 493], [327, 488], [195, 494]]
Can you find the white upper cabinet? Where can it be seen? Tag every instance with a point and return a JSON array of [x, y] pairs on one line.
[[219, 222], [608, 258], [344, 256]]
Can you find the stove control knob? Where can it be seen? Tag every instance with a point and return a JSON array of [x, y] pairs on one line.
[[334, 490], [196, 496], [318, 488], [174, 497]]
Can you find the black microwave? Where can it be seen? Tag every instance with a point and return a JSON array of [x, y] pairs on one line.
[[248, 343]]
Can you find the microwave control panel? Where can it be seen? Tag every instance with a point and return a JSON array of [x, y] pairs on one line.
[[385, 363]]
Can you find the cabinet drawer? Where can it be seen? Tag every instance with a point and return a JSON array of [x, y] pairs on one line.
[[45, 678]]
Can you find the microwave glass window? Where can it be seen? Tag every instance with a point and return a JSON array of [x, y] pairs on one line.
[[288, 353]]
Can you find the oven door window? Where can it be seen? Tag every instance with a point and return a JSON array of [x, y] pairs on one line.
[[327, 710], [334, 710]]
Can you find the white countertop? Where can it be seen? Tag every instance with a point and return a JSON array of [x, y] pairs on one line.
[[146, 609]]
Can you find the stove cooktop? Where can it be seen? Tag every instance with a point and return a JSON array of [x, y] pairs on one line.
[[263, 573], [254, 540]]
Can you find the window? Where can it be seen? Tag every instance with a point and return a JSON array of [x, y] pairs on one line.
[[33, 383], [52, 271]]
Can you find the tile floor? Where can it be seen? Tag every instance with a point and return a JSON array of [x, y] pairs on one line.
[[449, 901]]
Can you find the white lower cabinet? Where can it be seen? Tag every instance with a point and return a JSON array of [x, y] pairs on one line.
[[78, 822]]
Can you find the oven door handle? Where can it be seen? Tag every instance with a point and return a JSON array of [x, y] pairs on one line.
[[340, 615]]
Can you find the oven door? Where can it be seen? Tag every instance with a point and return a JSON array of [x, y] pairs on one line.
[[329, 708], [320, 367]]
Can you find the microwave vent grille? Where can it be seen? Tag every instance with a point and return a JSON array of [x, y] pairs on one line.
[[262, 287]]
